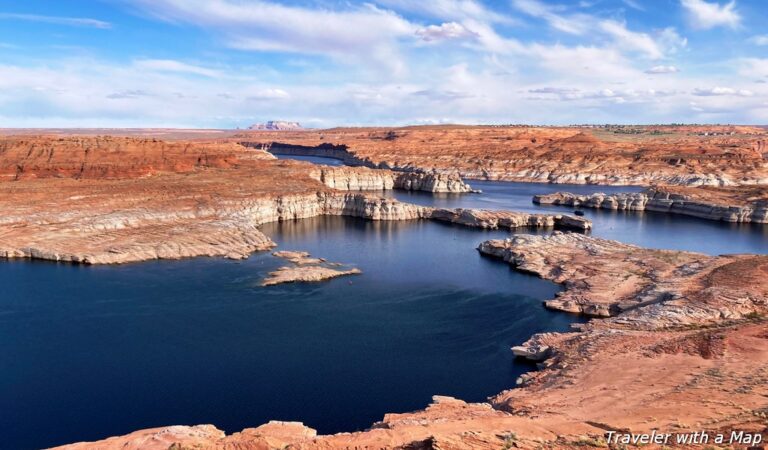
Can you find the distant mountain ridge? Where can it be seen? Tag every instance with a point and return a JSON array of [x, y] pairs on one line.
[[276, 125]]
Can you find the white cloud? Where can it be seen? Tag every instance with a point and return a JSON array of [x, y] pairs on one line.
[[753, 67], [634, 4], [718, 91], [448, 30], [364, 33], [452, 10], [706, 15], [656, 70], [56, 20], [759, 40], [616, 32], [269, 94], [169, 65], [631, 40], [574, 24]]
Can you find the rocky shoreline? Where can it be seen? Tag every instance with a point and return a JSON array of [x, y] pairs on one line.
[[365, 179], [676, 325], [231, 229], [661, 200], [306, 269]]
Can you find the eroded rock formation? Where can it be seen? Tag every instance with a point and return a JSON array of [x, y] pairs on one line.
[[149, 207], [726, 156], [685, 347], [306, 269], [748, 204], [652, 288], [679, 342], [365, 179], [511, 220]]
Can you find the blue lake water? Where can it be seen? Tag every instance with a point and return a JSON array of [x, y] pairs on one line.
[[91, 352], [647, 228]]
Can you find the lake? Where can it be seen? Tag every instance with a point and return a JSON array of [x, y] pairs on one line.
[[94, 351]]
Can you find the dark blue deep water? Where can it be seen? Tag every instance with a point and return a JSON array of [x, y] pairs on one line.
[[91, 352]]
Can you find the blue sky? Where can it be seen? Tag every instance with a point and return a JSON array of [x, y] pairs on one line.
[[229, 63]]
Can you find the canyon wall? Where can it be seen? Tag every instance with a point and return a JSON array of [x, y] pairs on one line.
[[109, 157], [365, 179], [227, 228], [662, 200], [651, 155]]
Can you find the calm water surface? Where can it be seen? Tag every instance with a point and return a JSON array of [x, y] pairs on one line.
[[90, 352], [648, 229]]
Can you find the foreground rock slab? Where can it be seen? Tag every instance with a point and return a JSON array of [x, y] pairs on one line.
[[306, 269], [685, 348]]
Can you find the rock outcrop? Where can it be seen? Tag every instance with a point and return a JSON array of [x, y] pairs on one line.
[[227, 229], [365, 179], [150, 207], [708, 205], [683, 346], [645, 287], [306, 269], [511, 220]]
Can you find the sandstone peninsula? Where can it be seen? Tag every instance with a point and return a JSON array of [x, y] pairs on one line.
[[743, 204], [105, 200]]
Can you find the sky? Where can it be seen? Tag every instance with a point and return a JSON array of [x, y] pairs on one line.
[[324, 63]]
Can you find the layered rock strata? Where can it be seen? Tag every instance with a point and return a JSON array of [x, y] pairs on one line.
[[478, 218], [109, 157], [690, 156], [651, 288], [228, 228], [683, 346], [662, 200], [105, 200], [365, 179]]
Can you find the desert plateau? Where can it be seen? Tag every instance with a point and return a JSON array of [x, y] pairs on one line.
[[669, 327], [383, 225]]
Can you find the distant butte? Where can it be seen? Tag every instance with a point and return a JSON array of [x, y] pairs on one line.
[[277, 125]]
